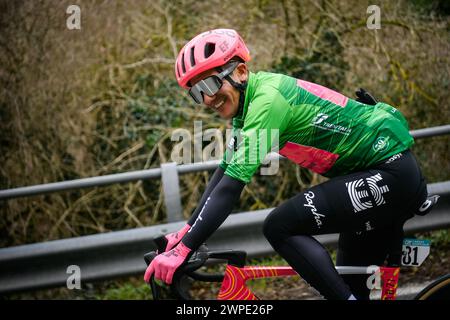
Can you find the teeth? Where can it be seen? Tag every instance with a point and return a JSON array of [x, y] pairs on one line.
[[217, 106]]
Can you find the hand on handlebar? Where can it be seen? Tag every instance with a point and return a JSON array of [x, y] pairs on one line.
[[165, 264], [365, 97], [170, 240]]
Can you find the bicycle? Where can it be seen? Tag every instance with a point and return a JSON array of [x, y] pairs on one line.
[[234, 279]]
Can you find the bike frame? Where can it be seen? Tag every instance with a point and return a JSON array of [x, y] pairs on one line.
[[234, 284]]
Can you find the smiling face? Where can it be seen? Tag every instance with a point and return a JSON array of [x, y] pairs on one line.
[[226, 101]]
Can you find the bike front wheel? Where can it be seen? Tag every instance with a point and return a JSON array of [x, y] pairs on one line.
[[437, 290]]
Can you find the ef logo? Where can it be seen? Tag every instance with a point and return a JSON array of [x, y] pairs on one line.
[[73, 22], [74, 280]]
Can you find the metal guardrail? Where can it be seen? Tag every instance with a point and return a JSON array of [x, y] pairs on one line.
[[117, 254], [169, 174], [430, 132]]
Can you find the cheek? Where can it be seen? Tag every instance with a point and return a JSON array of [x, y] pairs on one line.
[[232, 97], [232, 102], [230, 108]]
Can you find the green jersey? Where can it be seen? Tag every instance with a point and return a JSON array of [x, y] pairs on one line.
[[318, 128]]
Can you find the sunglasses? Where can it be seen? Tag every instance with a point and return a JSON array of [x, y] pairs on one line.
[[211, 85]]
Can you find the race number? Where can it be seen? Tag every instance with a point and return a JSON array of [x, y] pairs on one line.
[[415, 252]]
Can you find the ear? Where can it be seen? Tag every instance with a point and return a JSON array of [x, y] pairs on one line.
[[241, 72]]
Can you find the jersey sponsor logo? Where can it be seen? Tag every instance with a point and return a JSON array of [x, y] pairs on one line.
[[394, 157], [309, 196], [232, 145], [320, 118], [359, 190], [320, 121], [381, 144]]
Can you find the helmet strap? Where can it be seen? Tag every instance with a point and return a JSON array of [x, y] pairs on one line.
[[241, 88]]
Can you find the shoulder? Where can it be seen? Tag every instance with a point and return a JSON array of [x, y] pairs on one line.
[[276, 81], [267, 96], [267, 106], [269, 87]]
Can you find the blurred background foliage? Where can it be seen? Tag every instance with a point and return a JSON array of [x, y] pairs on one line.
[[103, 99]]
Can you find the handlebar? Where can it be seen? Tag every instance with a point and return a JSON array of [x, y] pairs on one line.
[[189, 269]]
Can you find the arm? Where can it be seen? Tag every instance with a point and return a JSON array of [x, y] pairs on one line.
[[170, 240], [215, 210], [218, 174]]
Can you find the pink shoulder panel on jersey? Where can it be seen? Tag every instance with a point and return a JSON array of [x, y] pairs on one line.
[[323, 92]]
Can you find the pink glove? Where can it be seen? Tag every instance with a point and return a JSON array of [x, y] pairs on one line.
[[165, 264], [175, 237]]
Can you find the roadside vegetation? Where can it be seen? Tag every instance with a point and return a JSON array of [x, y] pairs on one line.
[[104, 100]]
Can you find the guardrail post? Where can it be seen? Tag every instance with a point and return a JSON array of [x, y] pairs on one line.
[[171, 188]]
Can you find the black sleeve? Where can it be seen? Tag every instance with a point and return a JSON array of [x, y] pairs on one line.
[[216, 209], [218, 174]]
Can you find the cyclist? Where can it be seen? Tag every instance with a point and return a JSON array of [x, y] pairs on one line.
[[361, 145]]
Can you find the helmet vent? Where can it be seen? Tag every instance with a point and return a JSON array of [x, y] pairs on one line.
[[192, 57], [183, 67], [209, 49]]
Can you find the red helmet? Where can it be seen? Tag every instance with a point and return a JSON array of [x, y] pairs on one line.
[[208, 50]]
